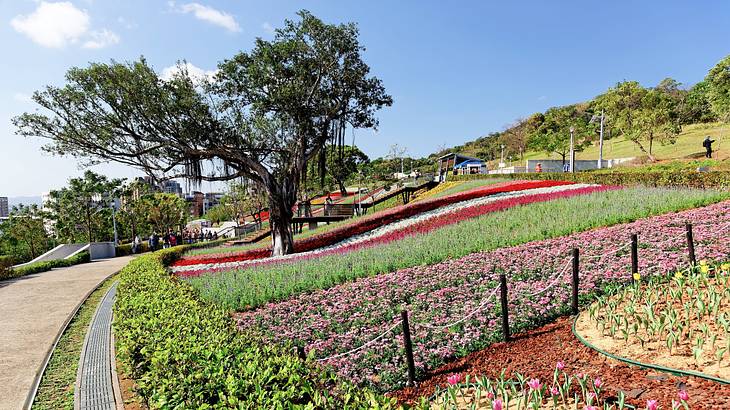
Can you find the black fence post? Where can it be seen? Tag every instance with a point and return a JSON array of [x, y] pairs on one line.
[[409, 348], [505, 309], [691, 245], [634, 255], [576, 266], [299, 351]]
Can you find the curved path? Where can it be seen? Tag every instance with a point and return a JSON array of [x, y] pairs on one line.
[[33, 310]]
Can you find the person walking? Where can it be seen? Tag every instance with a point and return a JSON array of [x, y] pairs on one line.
[[328, 205], [136, 244], [707, 143]]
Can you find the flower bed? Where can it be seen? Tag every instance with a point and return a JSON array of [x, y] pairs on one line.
[[371, 222], [682, 324], [439, 297], [419, 224]]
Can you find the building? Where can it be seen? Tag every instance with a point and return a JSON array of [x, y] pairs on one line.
[[196, 202], [4, 211], [458, 164], [171, 187]]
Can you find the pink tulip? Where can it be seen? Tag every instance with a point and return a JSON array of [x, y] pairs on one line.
[[590, 408], [497, 404], [683, 395], [597, 383], [652, 405], [454, 379], [675, 404], [592, 396], [490, 395], [554, 391], [560, 365], [534, 384]]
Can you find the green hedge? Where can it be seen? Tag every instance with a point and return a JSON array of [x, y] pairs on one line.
[[186, 353], [7, 273], [657, 178], [126, 249]]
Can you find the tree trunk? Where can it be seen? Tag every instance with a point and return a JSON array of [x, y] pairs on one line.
[[343, 189], [648, 153], [282, 198]]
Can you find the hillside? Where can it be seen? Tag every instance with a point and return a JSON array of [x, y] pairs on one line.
[[688, 146]]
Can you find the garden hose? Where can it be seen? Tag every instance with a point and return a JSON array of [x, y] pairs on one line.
[[675, 372]]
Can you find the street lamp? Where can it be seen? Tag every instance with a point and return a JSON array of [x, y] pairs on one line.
[[572, 150], [600, 138], [501, 158]]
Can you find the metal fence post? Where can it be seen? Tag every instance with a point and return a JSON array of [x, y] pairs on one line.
[[409, 348], [634, 255], [576, 266], [690, 245]]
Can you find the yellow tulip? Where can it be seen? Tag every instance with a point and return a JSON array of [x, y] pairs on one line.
[[678, 275], [704, 268], [637, 277]]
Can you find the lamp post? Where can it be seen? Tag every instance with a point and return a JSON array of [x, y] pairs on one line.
[[600, 138], [572, 150], [501, 158]]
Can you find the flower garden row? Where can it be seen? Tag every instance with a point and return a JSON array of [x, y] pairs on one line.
[[417, 224], [371, 222], [335, 320], [241, 289]]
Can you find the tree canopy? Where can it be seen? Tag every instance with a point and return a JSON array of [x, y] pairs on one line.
[[264, 116]]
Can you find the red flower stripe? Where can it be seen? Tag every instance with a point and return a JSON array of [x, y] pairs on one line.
[[371, 222], [425, 226]]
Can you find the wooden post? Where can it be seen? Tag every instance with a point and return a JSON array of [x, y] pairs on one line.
[[575, 281], [634, 255], [505, 309], [409, 349], [690, 245]]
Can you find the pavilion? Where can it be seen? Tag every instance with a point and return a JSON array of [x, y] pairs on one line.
[[458, 164]]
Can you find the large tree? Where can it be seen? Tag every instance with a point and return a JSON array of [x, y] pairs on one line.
[[642, 115], [24, 232], [551, 131], [718, 89], [267, 113]]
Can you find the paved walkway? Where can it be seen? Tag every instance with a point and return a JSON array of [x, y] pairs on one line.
[[32, 311]]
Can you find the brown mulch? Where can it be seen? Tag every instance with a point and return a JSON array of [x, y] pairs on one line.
[[535, 353]]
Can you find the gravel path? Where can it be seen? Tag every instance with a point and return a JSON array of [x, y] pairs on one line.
[[33, 309]]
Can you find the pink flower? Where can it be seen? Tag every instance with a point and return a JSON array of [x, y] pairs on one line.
[[454, 379], [597, 382], [554, 391], [490, 395], [652, 405], [592, 396], [497, 404], [675, 404], [534, 384], [590, 408], [683, 395], [560, 365]]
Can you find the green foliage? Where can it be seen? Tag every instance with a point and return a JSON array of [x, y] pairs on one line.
[[671, 178], [24, 234], [81, 257], [184, 353], [718, 89], [345, 161], [552, 131], [253, 286], [82, 211]]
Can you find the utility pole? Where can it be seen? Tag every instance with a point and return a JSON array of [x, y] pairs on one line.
[[600, 144], [572, 150]]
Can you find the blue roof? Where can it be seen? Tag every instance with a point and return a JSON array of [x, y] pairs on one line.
[[465, 163]]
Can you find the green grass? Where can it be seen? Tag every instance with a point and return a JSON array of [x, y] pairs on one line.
[[56, 390], [246, 288], [688, 146]]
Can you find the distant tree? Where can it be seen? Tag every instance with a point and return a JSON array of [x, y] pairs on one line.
[[267, 113], [515, 136], [24, 232], [83, 209], [641, 115], [718, 89], [551, 132], [164, 211], [345, 162], [697, 108]]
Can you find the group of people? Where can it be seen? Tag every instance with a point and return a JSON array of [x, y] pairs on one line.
[[173, 238]]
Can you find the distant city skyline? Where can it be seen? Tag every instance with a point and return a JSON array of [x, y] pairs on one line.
[[456, 71]]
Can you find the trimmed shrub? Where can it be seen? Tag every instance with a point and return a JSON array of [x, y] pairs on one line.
[[656, 178], [81, 257], [186, 353]]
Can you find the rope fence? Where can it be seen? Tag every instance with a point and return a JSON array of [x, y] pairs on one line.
[[573, 260]]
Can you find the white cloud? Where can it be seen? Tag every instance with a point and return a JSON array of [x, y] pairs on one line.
[[268, 27], [22, 98], [53, 25], [56, 25], [195, 72], [126, 23], [101, 39], [209, 14]]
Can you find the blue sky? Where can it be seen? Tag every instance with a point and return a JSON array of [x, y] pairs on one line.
[[456, 70]]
